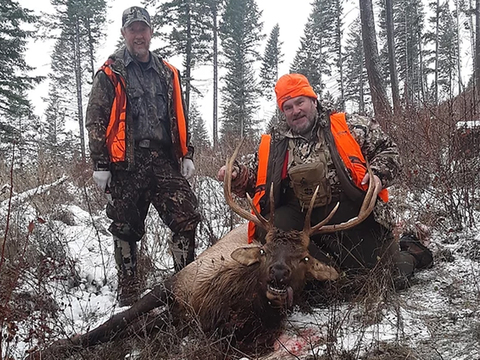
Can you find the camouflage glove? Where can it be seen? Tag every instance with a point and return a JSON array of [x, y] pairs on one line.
[[102, 178], [188, 169]]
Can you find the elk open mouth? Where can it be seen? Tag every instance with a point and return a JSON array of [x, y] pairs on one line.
[[280, 297]]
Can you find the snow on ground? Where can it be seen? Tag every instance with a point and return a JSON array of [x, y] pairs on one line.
[[436, 318]]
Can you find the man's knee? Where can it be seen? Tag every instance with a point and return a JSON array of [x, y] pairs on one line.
[[126, 232]]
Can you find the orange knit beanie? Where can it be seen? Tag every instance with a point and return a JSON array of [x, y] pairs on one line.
[[292, 85]]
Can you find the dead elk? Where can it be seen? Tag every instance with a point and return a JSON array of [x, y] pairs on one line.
[[233, 288]]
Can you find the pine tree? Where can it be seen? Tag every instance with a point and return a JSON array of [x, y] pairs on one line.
[[477, 47], [81, 25], [315, 56], [433, 36], [215, 7], [375, 79], [338, 52], [18, 125], [57, 144], [186, 28], [271, 59], [198, 131], [240, 34], [14, 78], [467, 7], [459, 20], [447, 51], [409, 28], [388, 61], [356, 84], [274, 120]]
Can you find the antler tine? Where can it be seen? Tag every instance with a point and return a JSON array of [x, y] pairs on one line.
[[307, 227], [370, 191], [365, 210], [227, 191], [272, 206], [265, 223]]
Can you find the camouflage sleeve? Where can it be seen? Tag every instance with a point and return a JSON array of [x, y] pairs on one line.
[[378, 148], [247, 177], [98, 117]]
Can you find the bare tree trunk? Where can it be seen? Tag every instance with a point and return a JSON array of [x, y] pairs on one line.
[[340, 58], [188, 58], [78, 81], [91, 50], [459, 60], [215, 77], [422, 79], [392, 62], [471, 29], [477, 49], [383, 110], [437, 16], [361, 103]]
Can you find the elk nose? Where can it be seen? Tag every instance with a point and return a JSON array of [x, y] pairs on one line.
[[279, 272]]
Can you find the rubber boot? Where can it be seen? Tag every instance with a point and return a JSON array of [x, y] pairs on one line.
[[128, 283], [183, 249]]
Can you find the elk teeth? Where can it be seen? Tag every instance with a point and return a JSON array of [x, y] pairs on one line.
[[276, 290]]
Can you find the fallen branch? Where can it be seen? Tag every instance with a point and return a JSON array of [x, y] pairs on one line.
[[19, 198]]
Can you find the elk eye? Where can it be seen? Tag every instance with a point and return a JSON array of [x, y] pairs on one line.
[[306, 259], [262, 252]]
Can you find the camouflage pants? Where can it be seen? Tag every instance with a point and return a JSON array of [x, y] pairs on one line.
[[156, 180]]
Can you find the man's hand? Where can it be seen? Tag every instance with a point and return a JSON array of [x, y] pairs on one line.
[[376, 181], [221, 173], [102, 178], [188, 169]]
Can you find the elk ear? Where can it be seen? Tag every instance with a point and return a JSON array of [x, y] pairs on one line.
[[247, 255], [321, 271]]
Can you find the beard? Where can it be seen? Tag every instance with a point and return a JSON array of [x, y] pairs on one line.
[[305, 128]]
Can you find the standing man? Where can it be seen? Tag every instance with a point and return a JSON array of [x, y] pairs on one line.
[[139, 144], [315, 146]]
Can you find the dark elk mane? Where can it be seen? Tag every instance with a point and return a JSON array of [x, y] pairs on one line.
[[233, 289], [241, 309]]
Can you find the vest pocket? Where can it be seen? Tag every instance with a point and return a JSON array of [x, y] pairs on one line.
[[305, 178]]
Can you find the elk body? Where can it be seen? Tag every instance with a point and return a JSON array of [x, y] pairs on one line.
[[234, 288]]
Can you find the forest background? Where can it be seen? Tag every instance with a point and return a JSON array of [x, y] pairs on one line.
[[414, 65]]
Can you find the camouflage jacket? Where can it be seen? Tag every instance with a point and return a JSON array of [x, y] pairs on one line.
[[377, 147], [99, 107]]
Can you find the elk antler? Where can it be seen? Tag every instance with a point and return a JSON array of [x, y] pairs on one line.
[[365, 210], [258, 220]]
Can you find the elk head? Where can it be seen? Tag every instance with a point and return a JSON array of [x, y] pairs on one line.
[[284, 261]]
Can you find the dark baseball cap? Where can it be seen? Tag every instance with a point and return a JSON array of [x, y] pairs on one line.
[[135, 13]]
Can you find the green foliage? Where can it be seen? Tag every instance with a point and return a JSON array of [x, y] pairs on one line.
[[240, 32], [338, 53], [383, 42], [198, 131], [186, 29], [409, 27], [78, 27], [14, 78], [272, 57], [185, 26], [447, 53], [315, 56], [80, 23], [356, 84]]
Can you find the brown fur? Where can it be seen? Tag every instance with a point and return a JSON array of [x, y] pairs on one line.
[[225, 290]]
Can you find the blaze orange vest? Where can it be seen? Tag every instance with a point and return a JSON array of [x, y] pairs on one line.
[[116, 129], [263, 155], [347, 147]]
